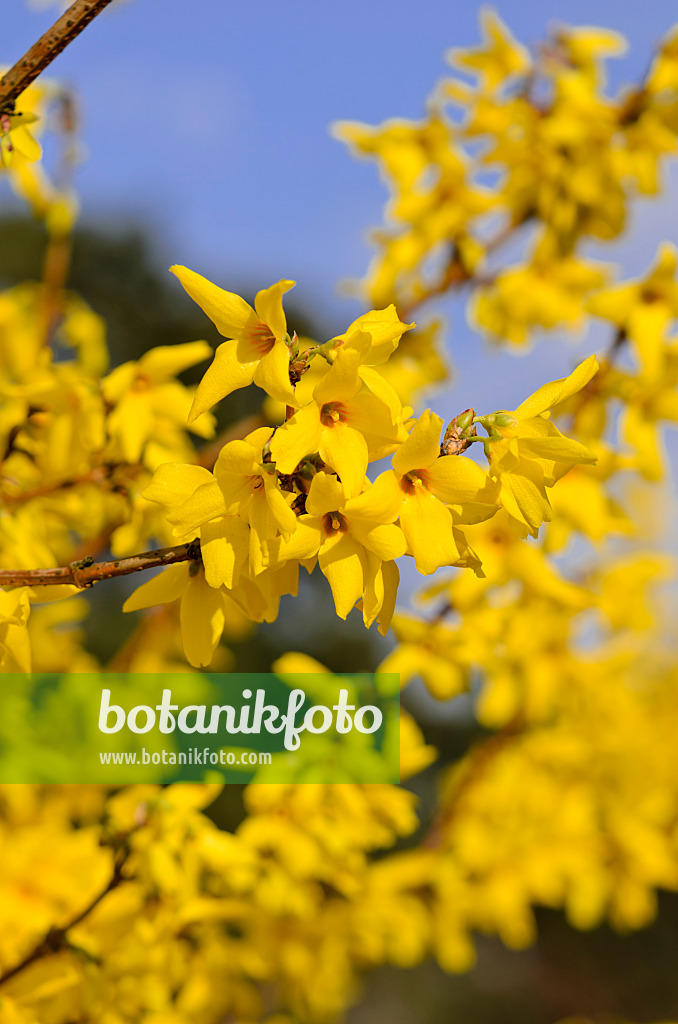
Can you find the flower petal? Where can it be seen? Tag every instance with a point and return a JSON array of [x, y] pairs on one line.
[[456, 479], [341, 563], [207, 502], [342, 381], [325, 495], [378, 503], [227, 311], [226, 374], [224, 545], [427, 526], [345, 450], [558, 390], [422, 447], [298, 437], [268, 304], [272, 374], [161, 589], [202, 619], [173, 483], [386, 541]]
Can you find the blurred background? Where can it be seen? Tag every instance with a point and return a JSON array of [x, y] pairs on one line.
[[205, 141]]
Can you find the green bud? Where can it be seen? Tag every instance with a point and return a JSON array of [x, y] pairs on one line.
[[502, 419], [465, 419]]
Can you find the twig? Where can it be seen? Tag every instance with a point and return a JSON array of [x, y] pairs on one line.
[[85, 572], [54, 939], [48, 46]]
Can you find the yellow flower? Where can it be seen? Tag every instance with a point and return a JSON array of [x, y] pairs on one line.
[[643, 310], [500, 58], [257, 351], [424, 484], [356, 543], [528, 453], [148, 398], [14, 135], [202, 613], [346, 423], [384, 329], [243, 485]]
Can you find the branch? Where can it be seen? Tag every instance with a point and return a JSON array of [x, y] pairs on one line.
[[86, 571], [48, 46], [55, 938]]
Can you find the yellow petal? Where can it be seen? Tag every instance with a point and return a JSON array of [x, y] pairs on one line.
[[173, 483], [161, 589], [272, 374], [227, 311], [268, 305], [524, 497], [558, 391], [391, 577], [202, 620], [341, 564], [224, 544], [378, 503], [456, 479], [386, 541], [239, 457], [285, 518], [298, 437], [422, 447], [304, 542], [169, 360], [385, 330], [207, 502], [226, 374], [342, 381], [325, 495], [345, 450], [427, 526]]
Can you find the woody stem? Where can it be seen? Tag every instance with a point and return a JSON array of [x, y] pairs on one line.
[[48, 46], [85, 572]]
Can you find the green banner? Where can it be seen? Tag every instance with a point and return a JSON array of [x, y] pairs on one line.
[[123, 728]]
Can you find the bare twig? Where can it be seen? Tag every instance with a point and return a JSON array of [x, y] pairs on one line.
[[85, 572], [48, 46]]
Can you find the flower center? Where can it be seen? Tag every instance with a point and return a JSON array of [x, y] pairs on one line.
[[260, 337], [333, 412], [333, 523], [414, 481]]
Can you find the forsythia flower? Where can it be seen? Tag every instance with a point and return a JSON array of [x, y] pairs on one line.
[[530, 453], [346, 424], [257, 351], [150, 403], [356, 543], [425, 483]]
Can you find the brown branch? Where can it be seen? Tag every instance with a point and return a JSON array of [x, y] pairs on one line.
[[55, 939], [86, 571], [48, 46]]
